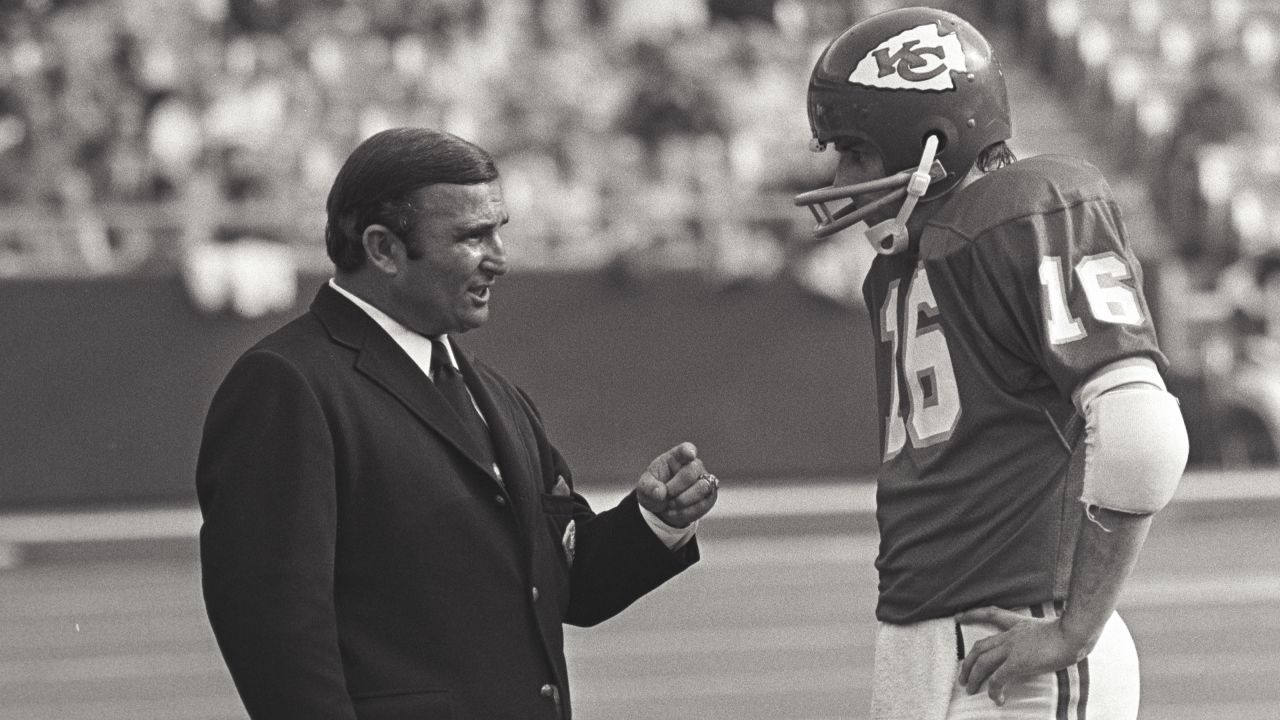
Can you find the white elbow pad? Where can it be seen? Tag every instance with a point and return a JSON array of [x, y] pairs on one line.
[[1135, 449]]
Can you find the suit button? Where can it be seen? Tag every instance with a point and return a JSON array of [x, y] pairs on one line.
[[547, 691], [535, 593], [500, 500]]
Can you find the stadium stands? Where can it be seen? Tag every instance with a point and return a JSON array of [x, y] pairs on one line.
[[618, 120]]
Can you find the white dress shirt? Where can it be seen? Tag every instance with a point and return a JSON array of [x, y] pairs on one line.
[[418, 348]]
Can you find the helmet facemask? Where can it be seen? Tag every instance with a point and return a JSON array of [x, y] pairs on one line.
[[889, 236]]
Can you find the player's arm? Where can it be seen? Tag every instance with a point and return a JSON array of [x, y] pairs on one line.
[[1136, 450]]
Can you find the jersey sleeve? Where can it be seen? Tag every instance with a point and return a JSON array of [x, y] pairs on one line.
[[1075, 287]]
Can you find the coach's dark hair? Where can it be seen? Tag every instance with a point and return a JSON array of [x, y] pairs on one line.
[[377, 183]]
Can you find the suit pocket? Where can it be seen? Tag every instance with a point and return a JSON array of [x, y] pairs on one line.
[[558, 506], [426, 705], [558, 513], [558, 510]]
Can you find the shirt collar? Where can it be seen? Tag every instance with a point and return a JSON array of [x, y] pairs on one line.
[[417, 346]]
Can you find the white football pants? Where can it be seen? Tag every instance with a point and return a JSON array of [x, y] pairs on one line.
[[917, 668]]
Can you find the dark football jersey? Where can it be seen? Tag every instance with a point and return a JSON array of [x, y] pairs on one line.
[[1020, 288]]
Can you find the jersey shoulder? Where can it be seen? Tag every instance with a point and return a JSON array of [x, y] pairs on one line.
[[1039, 185]]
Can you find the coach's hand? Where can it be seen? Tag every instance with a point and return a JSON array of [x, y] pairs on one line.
[[676, 487], [1026, 646]]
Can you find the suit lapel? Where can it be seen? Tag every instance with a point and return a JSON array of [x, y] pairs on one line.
[[507, 445], [385, 363]]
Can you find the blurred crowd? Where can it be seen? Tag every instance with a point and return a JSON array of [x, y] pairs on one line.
[[623, 128]]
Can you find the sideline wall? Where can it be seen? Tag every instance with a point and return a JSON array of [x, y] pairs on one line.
[[104, 383]]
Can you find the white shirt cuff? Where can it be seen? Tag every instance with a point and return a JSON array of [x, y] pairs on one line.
[[674, 538]]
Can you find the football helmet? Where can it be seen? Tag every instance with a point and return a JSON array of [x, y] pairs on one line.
[[921, 85]]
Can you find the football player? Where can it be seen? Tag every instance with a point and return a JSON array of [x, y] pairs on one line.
[[1027, 436]]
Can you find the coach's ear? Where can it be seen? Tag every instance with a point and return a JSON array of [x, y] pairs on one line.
[[385, 249]]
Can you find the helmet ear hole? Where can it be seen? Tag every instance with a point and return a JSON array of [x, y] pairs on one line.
[[942, 139], [941, 128]]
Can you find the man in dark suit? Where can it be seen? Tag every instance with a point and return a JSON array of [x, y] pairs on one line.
[[388, 533]]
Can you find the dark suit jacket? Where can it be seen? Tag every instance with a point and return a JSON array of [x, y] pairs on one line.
[[360, 562]]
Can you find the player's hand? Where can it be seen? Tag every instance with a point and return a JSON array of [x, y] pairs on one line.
[[1025, 647], [676, 487]]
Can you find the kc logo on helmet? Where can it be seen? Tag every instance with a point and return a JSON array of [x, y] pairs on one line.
[[915, 59]]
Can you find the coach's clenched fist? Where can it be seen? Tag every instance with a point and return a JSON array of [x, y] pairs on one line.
[[676, 487]]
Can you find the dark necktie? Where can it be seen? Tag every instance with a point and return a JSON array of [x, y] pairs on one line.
[[450, 384]]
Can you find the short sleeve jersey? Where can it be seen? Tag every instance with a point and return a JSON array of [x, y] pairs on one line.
[[1020, 288]]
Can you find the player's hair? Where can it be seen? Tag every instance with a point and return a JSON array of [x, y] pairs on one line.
[[377, 183], [995, 156]]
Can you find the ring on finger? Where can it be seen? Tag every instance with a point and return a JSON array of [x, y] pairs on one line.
[[713, 482]]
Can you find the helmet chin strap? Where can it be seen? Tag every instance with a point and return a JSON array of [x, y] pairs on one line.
[[890, 236]]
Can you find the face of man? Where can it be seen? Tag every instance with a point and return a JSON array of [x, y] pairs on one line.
[[454, 255], [860, 162]]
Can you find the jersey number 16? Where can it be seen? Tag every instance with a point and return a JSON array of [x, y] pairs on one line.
[[925, 364], [925, 358]]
